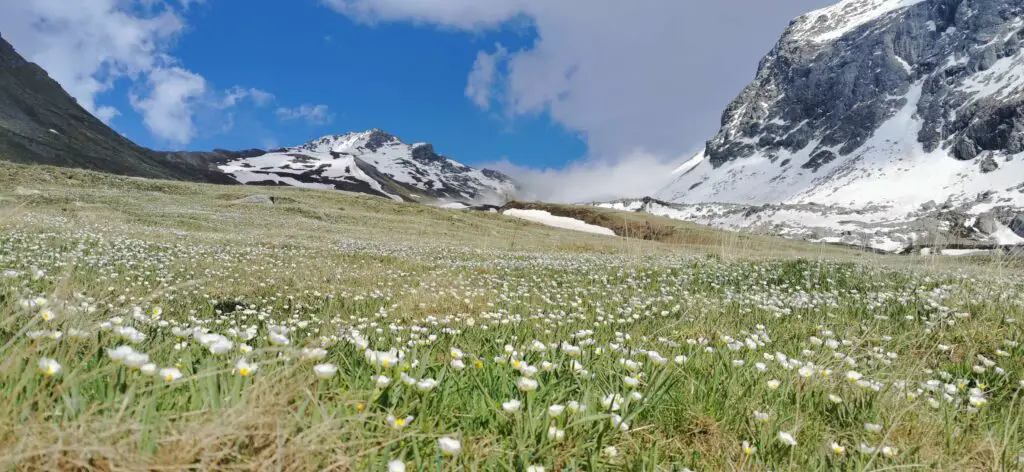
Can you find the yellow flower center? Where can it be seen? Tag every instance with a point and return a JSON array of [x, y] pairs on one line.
[[385, 363], [360, 406], [748, 450], [243, 371], [838, 449], [400, 422], [479, 364], [50, 370], [516, 364]]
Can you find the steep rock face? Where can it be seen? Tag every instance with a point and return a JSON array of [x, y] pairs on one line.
[[374, 162], [838, 90], [891, 102]]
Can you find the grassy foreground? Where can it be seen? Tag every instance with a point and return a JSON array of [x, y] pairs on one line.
[[159, 325]]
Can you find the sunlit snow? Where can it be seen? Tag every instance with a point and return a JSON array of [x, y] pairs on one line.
[[546, 218]]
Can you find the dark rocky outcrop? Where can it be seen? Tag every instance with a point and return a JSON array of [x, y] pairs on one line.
[[986, 223], [1017, 224], [379, 138], [838, 92]]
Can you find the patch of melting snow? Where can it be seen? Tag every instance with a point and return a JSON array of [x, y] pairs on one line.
[[963, 252], [546, 218], [1004, 236]]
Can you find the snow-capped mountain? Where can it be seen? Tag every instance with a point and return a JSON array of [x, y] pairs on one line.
[[895, 110], [41, 124], [373, 162]]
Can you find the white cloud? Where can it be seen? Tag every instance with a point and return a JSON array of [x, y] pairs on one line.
[[236, 94], [465, 14], [643, 74], [312, 114], [87, 45], [106, 114], [185, 4], [481, 83], [169, 108], [635, 175]]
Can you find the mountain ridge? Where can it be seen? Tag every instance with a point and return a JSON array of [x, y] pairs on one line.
[[41, 124], [896, 109], [821, 112], [377, 162]]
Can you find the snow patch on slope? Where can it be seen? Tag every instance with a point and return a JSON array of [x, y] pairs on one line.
[[831, 23], [885, 172], [1004, 236], [546, 218], [299, 170], [338, 162]]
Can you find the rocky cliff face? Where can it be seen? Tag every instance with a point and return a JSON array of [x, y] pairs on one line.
[[887, 105], [872, 88], [840, 73]]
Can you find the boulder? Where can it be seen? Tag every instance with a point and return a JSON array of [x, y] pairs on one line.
[[988, 164], [1017, 225], [986, 223], [257, 200]]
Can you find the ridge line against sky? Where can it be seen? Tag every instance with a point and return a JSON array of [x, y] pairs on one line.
[[578, 99]]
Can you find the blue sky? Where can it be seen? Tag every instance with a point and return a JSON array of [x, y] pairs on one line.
[[578, 99], [406, 79]]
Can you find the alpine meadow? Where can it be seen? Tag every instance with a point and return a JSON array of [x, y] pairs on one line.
[[164, 325], [505, 235]]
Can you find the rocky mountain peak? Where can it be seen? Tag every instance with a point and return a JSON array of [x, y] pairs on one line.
[[876, 106], [876, 80], [377, 138]]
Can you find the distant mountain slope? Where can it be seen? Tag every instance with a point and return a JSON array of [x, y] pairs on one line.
[[41, 124], [888, 107], [374, 162]]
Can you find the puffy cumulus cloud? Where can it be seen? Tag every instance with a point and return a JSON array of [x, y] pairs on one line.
[[87, 45], [481, 83], [637, 174], [644, 74], [169, 106], [311, 114]]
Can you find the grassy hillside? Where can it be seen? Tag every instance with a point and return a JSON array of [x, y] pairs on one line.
[[162, 325]]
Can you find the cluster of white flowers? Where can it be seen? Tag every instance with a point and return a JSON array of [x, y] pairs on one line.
[[557, 340]]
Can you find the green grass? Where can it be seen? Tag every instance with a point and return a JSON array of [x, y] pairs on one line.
[[117, 258]]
